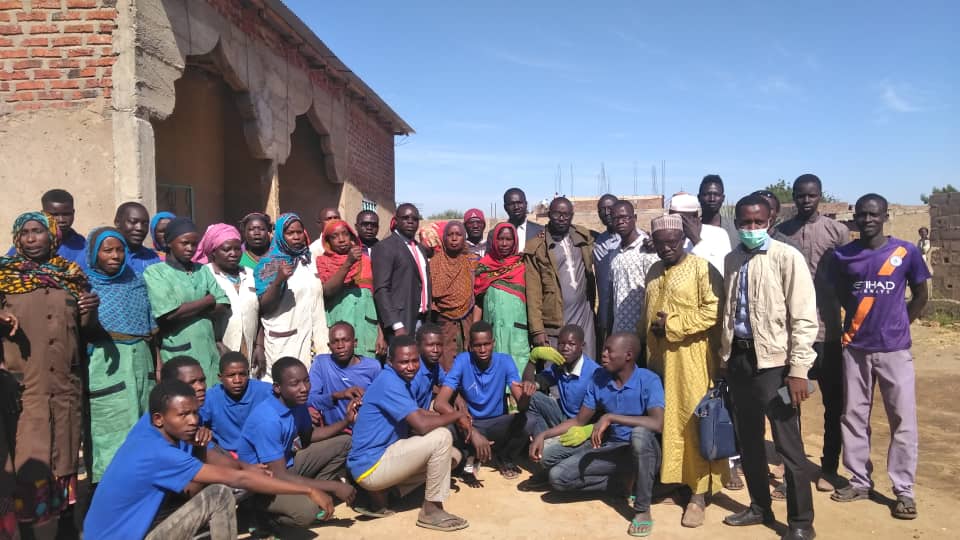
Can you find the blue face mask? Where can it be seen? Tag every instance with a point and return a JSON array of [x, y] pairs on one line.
[[754, 238]]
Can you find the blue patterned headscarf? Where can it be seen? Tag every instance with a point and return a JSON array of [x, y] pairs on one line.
[[124, 305], [280, 252], [160, 216]]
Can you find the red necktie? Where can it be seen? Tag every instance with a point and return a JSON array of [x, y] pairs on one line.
[[424, 302]]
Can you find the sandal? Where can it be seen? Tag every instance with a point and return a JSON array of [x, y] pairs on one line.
[[447, 523], [734, 483], [640, 528], [779, 493], [509, 470], [850, 494], [371, 513], [905, 508]]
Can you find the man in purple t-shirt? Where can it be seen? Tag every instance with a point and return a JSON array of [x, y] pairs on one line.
[[871, 276]]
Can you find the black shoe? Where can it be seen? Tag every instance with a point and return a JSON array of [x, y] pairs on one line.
[[749, 517], [799, 534]]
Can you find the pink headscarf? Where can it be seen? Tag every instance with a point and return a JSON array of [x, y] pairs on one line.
[[213, 238]]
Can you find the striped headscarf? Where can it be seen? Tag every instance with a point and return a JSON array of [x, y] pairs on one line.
[[280, 252], [20, 275]]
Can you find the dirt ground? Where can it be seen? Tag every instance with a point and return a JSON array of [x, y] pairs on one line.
[[499, 510]]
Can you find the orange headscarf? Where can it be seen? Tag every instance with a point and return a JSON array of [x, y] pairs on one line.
[[359, 275]]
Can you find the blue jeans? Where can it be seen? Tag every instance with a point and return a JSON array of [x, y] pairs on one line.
[[544, 413], [592, 469]]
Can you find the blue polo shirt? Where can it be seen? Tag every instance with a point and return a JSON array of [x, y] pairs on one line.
[[641, 392], [226, 415], [381, 420], [144, 470], [482, 390], [571, 386], [73, 247], [140, 259], [327, 377], [272, 431], [422, 384]]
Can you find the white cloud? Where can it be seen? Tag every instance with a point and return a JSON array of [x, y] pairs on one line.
[[894, 99]]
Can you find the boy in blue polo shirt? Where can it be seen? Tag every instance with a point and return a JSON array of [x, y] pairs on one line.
[[430, 347], [398, 443], [481, 376], [279, 434], [340, 377], [229, 403], [155, 462], [630, 400]]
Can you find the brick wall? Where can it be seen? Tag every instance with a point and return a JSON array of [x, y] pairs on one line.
[[55, 53], [945, 240], [370, 162]]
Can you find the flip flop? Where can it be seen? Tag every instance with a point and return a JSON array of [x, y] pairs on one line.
[[644, 528], [850, 494], [455, 524], [779, 493], [381, 513], [905, 508], [509, 470]]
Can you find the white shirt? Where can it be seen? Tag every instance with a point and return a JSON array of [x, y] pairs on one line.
[[237, 329], [316, 248], [521, 236], [418, 256], [713, 246]]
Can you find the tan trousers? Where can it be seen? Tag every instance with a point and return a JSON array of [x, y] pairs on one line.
[[410, 462]]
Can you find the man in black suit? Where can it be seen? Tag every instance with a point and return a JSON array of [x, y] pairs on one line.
[[401, 276], [515, 205]]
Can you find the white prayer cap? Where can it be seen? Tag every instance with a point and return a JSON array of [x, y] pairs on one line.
[[684, 202]]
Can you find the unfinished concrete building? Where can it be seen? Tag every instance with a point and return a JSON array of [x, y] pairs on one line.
[[206, 108]]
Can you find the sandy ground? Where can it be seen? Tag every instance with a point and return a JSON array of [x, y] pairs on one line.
[[499, 510]]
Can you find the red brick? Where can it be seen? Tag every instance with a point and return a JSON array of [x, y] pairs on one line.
[[56, 4], [97, 83], [67, 41], [73, 53], [65, 85], [64, 64], [28, 106], [56, 94], [107, 28], [82, 94], [13, 53], [10, 29], [35, 42], [99, 39], [106, 92], [11, 4], [6, 42], [31, 16], [13, 75], [106, 51], [46, 53], [101, 62], [44, 29], [78, 28], [31, 85], [67, 15], [80, 73], [47, 74], [101, 15], [4, 86], [27, 64], [4, 16], [81, 3]]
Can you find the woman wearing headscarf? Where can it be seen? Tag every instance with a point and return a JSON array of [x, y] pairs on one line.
[[501, 289], [291, 297], [347, 277], [51, 299], [256, 231], [236, 328], [451, 275], [123, 357], [184, 297], [158, 230]]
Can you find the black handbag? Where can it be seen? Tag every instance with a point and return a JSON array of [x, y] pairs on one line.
[[717, 437]]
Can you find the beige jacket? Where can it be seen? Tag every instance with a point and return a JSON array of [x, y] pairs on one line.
[[783, 307]]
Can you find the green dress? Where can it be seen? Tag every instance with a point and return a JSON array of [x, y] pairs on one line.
[[507, 314], [355, 306], [168, 289], [121, 377], [246, 261]]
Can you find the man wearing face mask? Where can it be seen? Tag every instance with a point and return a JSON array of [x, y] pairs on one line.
[[769, 327], [817, 236], [707, 241]]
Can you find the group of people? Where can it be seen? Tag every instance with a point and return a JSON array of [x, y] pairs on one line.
[[246, 365]]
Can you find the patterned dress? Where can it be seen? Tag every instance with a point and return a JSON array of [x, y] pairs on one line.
[[686, 360]]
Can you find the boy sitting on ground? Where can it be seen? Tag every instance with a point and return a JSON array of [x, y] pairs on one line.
[[279, 434], [155, 462], [338, 378], [229, 403], [398, 443]]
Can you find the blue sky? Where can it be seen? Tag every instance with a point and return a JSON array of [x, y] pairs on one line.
[[863, 94]]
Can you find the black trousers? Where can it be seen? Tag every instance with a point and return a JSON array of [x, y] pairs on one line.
[[754, 394], [828, 372]]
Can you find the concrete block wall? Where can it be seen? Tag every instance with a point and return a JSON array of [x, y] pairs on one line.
[[55, 53], [945, 240]]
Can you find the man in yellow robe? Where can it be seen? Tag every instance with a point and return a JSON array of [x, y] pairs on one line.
[[682, 314]]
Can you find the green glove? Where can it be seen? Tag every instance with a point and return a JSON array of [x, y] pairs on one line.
[[576, 435], [547, 354]]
